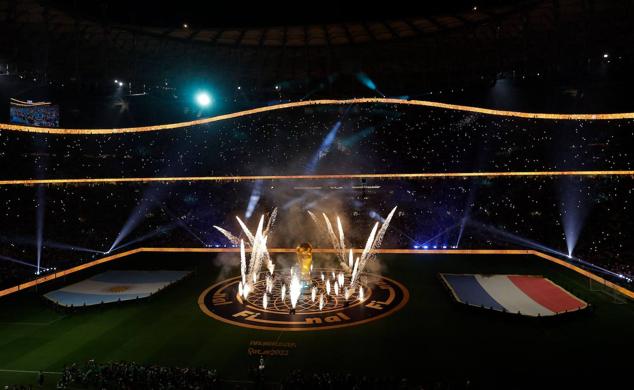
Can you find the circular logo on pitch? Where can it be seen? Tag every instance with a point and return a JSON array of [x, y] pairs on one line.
[[319, 305]]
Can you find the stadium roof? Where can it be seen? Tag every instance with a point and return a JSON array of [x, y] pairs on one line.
[[84, 40]]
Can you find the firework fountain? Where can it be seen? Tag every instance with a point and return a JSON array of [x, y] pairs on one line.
[[261, 285]]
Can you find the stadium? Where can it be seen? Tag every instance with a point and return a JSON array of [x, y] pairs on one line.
[[356, 197]]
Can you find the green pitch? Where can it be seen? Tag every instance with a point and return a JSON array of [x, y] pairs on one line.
[[430, 338]]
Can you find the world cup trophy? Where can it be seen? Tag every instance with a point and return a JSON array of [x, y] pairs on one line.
[[304, 260]]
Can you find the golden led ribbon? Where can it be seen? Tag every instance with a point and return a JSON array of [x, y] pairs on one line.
[[321, 102], [59, 274], [377, 176]]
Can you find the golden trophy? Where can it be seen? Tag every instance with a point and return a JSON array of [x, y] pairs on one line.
[[304, 260]]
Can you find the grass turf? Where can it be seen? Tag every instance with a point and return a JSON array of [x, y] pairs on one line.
[[431, 338]]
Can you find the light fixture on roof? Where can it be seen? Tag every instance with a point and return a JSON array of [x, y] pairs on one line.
[[203, 99]]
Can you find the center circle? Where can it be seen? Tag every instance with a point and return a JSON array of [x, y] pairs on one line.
[[381, 297]]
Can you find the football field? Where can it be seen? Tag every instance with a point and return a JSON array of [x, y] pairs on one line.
[[431, 337]]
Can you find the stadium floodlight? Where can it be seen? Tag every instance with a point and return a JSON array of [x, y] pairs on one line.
[[203, 99]]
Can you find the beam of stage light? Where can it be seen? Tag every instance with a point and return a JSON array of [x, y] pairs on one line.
[[535, 245], [447, 230], [574, 204], [11, 259], [514, 238], [159, 230], [39, 235], [377, 217], [314, 203], [317, 193], [48, 244], [70, 247], [358, 136], [324, 148], [367, 81], [326, 144], [253, 199], [463, 222], [182, 224], [149, 200], [467, 212]]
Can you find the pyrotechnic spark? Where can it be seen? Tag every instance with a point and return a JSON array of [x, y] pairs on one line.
[[271, 222], [265, 301], [246, 289], [283, 293], [243, 262], [296, 290], [338, 242], [321, 301], [313, 294], [269, 284], [328, 286], [233, 239], [361, 293], [336, 288]]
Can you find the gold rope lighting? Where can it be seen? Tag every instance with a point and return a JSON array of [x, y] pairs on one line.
[[115, 180], [321, 102], [59, 274]]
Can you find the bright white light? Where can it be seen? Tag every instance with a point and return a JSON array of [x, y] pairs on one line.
[[121, 83], [605, 55], [203, 99]]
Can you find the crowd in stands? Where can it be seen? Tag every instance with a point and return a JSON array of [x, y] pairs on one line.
[[363, 138], [79, 223], [300, 380], [130, 375], [43, 116]]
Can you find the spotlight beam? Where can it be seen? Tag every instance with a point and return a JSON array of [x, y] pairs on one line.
[[144, 237], [450, 228], [183, 225], [253, 199], [41, 203], [148, 202], [11, 259], [374, 215], [49, 244], [517, 239]]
